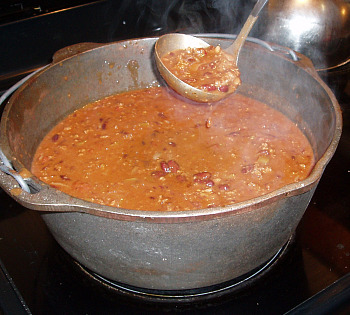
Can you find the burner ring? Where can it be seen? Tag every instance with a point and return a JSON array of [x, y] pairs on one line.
[[188, 295]]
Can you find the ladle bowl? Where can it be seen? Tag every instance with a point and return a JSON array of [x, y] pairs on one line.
[[175, 41]]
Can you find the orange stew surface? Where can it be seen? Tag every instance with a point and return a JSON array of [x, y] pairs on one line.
[[209, 69], [148, 150]]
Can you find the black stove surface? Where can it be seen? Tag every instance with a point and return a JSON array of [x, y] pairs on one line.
[[311, 275]]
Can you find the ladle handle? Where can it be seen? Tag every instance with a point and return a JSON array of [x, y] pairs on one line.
[[258, 7], [235, 48]]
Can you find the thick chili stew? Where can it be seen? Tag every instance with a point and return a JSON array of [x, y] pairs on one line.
[[149, 150]]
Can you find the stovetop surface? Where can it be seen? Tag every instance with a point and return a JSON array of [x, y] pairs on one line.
[[37, 276]]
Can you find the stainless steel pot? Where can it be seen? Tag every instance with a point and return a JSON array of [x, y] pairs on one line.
[[167, 250]]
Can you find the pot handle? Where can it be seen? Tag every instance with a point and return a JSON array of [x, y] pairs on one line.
[[41, 197], [73, 50], [291, 54], [302, 61], [19, 187], [31, 194], [7, 168]]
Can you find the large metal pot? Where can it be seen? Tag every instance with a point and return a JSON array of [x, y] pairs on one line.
[[167, 250]]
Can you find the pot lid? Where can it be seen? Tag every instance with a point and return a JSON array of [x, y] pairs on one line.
[[319, 29]]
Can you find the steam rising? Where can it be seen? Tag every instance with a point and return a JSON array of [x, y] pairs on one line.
[[319, 29], [153, 17]]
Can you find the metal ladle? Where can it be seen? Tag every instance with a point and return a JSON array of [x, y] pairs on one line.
[[171, 42]]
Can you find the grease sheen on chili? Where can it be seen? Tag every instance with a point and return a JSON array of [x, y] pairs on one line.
[[148, 150]]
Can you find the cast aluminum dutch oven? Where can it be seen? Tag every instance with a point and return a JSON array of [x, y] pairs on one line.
[[166, 250]]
